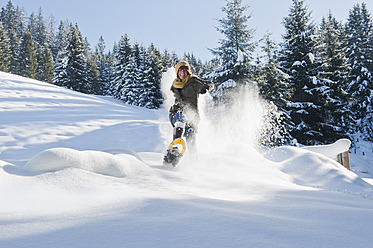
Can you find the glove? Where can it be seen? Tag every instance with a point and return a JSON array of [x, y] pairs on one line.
[[204, 89]]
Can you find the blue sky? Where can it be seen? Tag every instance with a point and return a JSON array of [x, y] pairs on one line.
[[179, 26]]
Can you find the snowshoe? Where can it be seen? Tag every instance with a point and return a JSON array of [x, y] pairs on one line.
[[174, 153]]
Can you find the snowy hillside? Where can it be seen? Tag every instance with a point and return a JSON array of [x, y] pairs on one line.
[[85, 171]]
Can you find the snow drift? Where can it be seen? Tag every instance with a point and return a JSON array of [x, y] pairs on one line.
[[61, 177], [314, 169], [120, 165]]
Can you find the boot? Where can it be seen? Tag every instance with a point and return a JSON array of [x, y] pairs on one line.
[[178, 130]]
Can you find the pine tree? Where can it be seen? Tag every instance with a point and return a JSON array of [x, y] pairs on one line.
[[70, 68], [137, 75], [367, 127], [368, 118], [207, 70], [141, 76], [130, 89], [39, 30], [60, 70], [359, 47], [334, 73], [122, 57], [5, 51], [235, 52], [28, 63], [274, 89], [91, 73], [13, 22], [76, 63], [169, 59], [297, 59], [47, 68], [62, 38], [92, 83], [103, 62], [40, 34], [151, 95], [60, 53], [51, 37], [273, 86]]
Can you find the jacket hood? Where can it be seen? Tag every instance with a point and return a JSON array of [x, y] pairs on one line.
[[182, 63]]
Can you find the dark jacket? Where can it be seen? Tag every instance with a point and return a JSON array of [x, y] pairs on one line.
[[186, 99]]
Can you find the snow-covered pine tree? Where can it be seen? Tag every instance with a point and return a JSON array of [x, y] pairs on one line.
[[5, 52], [337, 115], [367, 127], [169, 59], [130, 88], [38, 28], [151, 95], [60, 54], [367, 122], [27, 58], [359, 47], [40, 34], [13, 22], [60, 69], [103, 63], [122, 55], [92, 83], [235, 51], [274, 89], [137, 74], [142, 79], [76, 61], [91, 73], [272, 83], [51, 37], [47, 67], [61, 39], [297, 59], [207, 68]]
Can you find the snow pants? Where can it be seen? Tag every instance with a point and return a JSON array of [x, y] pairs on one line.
[[189, 132]]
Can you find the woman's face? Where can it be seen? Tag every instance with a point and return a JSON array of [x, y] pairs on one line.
[[182, 73]]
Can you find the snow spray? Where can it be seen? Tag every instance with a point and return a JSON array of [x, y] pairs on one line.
[[233, 127], [166, 82], [165, 127]]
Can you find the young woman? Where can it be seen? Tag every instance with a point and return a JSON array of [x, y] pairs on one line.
[[184, 115]]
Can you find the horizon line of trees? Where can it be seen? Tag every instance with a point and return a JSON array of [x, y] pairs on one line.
[[319, 77]]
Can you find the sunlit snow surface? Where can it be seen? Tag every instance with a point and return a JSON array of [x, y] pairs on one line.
[[86, 171]]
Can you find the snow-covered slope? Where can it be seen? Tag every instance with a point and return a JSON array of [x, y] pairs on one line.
[[85, 171]]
